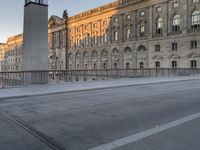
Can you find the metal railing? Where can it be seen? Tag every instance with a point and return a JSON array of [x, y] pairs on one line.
[[22, 78]]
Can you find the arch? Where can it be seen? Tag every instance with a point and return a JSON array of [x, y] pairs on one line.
[[70, 56], [115, 58], [94, 54], [85, 55], [115, 51], [195, 19], [104, 59], [85, 60], [159, 22], [78, 55], [104, 54], [141, 48], [176, 20], [127, 49]]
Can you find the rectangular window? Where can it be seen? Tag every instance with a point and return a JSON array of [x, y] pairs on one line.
[[116, 35], [193, 64], [174, 64], [157, 64], [157, 48], [194, 44], [176, 5], [174, 46], [158, 9], [128, 33], [142, 30], [142, 14], [128, 17], [195, 1], [141, 65]]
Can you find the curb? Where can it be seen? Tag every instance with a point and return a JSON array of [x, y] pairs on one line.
[[93, 89]]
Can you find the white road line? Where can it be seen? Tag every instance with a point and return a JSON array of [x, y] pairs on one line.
[[144, 134]]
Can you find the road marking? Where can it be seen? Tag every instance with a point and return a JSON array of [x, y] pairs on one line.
[[135, 137]]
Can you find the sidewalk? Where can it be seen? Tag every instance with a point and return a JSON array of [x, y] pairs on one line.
[[82, 86]]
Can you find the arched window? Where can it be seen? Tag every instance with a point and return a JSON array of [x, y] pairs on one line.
[[141, 48], [196, 19], [176, 23], [70, 56], [159, 25], [78, 55], [94, 55]]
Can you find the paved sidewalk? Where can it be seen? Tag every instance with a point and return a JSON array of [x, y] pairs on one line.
[[81, 86]]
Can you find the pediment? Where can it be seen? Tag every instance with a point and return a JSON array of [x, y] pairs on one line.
[[174, 56], [157, 57], [55, 21], [193, 55]]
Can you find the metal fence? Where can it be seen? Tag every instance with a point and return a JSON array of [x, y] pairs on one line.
[[22, 78]]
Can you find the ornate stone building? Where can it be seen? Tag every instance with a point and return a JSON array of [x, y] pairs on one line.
[[122, 34], [128, 34], [11, 53], [2, 52]]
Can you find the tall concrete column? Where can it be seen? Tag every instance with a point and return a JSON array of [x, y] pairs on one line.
[[35, 45]]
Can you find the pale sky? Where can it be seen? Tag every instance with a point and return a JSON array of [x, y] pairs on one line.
[[11, 13]]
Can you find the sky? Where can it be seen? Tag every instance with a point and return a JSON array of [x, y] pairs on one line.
[[11, 13]]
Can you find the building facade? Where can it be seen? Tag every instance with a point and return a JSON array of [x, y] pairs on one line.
[[11, 54], [127, 34], [2, 52]]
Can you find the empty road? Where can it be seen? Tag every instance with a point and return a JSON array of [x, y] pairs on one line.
[[163, 116]]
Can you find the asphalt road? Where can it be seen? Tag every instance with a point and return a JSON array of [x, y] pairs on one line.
[[86, 120]]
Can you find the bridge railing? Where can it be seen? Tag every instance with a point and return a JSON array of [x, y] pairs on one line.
[[22, 78]]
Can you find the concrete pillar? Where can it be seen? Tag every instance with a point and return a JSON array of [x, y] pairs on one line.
[[35, 46]]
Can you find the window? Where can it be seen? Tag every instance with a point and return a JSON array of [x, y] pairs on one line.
[[174, 64], [195, 1], [142, 30], [196, 19], [115, 35], [94, 66], [194, 44], [116, 20], [104, 65], [115, 65], [94, 25], [158, 9], [174, 46], [128, 17], [77, 66], [86, 66], [159, 25], [157, 64], [127, 65], [176, 23], [105, 37], [157, 48], [193, 64], [142, 14], [128, 33], [141, 65], [176, 5]]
